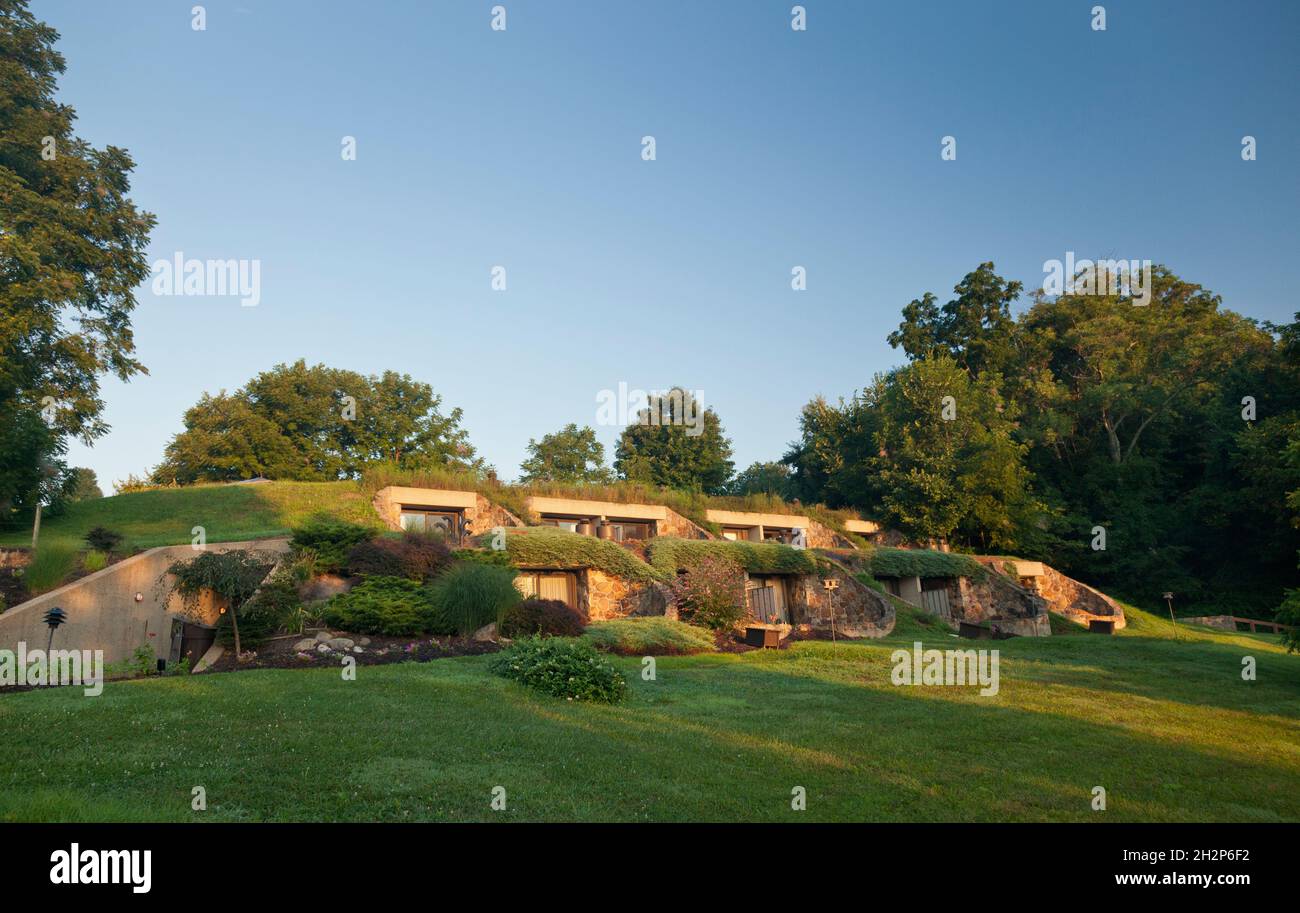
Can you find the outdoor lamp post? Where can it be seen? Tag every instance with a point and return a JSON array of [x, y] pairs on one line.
[[830, 585], [1169, 600], [54, 617]]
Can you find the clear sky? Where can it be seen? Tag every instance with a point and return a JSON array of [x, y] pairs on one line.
[[775, 148]]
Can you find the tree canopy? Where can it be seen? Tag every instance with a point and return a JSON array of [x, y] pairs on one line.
[[675, 443], [571, 454], [314, 423], [72, 251]]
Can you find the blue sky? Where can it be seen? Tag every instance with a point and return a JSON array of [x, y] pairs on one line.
[[775, 148]]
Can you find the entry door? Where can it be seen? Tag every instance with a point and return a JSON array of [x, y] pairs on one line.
[[936, 602]]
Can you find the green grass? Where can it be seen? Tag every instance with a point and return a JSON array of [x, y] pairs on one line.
[[649, 636], [548, 547], [1167, 726], [668, 555], [228, 513], [917, 562]]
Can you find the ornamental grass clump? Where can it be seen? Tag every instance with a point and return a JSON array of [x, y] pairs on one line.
[[571, 669]]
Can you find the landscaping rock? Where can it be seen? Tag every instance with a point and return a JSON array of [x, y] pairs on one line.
[[341, 643], [365, 641], [323, 648], [486, 633], [358, 650], [306, 644], [324, 587], [322, 635]]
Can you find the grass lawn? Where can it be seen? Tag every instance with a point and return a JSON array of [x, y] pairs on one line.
[[1167, 726], [228, 513]]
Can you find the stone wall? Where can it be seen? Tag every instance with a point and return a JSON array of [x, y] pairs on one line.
[[15, 557], [859, 610], [677, 525], [822, 536], [602, 596], [1005, 605], [1064, 595]]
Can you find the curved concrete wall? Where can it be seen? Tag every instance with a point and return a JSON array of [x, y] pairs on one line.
[[103, 613]]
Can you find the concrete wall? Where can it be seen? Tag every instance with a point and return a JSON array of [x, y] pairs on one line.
[[480, 513], [103, 613]]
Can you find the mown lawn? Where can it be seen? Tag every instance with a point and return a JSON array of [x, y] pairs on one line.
[[1167, 726], [228, 513]]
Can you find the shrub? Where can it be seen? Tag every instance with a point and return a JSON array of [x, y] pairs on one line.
[[920, 562], [49, 567], [711, 594], [329, 539], [94, 561], [548, 617], [386, 605], [103, 540], [653, 636], [570, 669], [471, 595], [414, 554], [234, 576], [377, 558]]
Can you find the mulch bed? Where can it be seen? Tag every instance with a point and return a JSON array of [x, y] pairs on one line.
[[279, 652]]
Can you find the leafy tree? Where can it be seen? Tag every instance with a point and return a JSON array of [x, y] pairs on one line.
[[675, 443], [976, 328], [571, 454], [82, 485], [72, 251], [315, 424], [233, 576], [763, 479], [947, 462]]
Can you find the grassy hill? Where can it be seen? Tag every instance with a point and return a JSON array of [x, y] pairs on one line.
[[1166, 725], [228, 513]]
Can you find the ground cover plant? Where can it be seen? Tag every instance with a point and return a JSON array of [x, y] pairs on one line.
[[545, 546], [649, 636]]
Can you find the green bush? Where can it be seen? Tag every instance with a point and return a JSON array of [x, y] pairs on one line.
[[94, 560], [571, 669], [329, 539], [386, 605], [652, 636], [547, 617], [470, 595]]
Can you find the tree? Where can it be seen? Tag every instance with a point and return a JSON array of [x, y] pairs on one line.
[[763, 479], [81, 484], [315, 424], [571, 454], [233, 576], [72, 251], [947, 462], [976, 328], [675, 444]]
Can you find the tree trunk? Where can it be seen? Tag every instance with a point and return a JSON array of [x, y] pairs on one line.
[[234, 624]]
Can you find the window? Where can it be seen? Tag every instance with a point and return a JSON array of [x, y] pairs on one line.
[[445, 522], [623, 530], [549, 585], [570, 525]]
